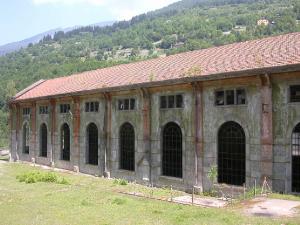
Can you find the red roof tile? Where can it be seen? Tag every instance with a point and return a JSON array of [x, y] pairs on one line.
[[264, 53]]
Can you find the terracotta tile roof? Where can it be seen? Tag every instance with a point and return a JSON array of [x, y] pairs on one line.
[[269, 52]]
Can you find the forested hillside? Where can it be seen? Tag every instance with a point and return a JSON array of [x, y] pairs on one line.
[[183, 26]]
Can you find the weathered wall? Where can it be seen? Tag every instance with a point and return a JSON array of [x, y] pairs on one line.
[[183, 117], [247, 116], [286, 116]]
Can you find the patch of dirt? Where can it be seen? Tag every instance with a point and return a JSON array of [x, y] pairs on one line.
[[271, 207]]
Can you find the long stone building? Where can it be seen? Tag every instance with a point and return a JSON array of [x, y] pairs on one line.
[[167, 121]]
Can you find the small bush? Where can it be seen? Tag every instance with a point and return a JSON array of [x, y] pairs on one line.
[[34, 177], [120, 182]]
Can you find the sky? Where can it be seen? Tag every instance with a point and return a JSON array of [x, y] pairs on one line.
[[20, 19]]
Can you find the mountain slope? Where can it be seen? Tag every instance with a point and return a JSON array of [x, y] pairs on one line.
[[14, 46]]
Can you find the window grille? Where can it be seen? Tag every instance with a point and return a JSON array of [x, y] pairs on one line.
[[296, 159], [231, 154], [65, 108], [43, 110], [65, 142], [26, 111], [43, 140], [127, 139], [91, 106], [172, 151], [92, 145], [295, 93], [171, 101], [126, 104], [230, 97]]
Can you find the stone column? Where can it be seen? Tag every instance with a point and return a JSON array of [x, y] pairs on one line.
[[146, 118], [76, 134], [107, 133], [266, 129], [53, 131], [33, 148], [198, 135], [12, 132], [17, 147]]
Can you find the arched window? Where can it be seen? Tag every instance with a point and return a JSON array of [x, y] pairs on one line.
[[25, 138], [127, 148], [231, 154], [43, 140], [172, 151], [65, 142], [296, 159], [92, 144]]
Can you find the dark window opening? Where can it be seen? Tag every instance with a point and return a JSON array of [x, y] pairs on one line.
[[171, 101], [179, 101], [92, 145], [26, 139], [64, 108], [91, 106], [65, 142], [127, 147], [163, 102], [296, 159], [240, 97], [230, 97], [295, 93], [43, 140], [172, 151], [26, 111], [43, 110], [126, 104], [231, 154], [220, 98]]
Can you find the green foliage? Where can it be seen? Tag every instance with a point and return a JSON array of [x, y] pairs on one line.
[[213, 174], [120, 182], [34, 177]]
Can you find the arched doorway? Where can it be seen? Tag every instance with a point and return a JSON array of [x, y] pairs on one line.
[[92, 144], [25, 147], [43, 140], [296, 159], [65, 142], [127, 139], [231, 154], [172, 151]]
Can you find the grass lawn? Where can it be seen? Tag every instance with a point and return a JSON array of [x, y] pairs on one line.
[[91, 200]]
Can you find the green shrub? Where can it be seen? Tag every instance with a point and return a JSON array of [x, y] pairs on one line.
[[33, 177], [120, 182]]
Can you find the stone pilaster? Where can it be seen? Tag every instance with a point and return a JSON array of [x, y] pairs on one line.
[[107, 133], [33, 151], [53, 130], [76, 133], [146, 118], [266, 129], [198, 88]]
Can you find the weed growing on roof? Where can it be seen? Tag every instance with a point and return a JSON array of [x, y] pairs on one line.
[[34, 177]]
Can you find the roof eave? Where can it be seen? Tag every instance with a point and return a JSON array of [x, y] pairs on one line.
[[183, 80]]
